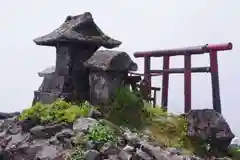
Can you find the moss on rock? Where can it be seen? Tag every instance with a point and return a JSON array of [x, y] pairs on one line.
[[59, 111]]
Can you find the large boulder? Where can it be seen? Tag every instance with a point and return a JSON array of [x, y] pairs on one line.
[[210, 127]]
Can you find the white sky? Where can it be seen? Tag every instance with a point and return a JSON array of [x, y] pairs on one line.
[[140, 25]]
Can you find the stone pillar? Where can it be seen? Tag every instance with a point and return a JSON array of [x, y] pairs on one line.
[[77, 77], [70, 80]]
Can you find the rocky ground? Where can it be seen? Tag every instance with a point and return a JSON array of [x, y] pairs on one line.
[[62, 131], [26, 141]]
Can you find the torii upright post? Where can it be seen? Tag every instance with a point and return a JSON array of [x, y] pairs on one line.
[[214, 72], [165, 82], [187, 70]]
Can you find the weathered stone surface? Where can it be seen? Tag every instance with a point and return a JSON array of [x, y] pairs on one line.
[[143, 155], [93, 113], [8, 123], [123, 155], [47, 152], [80, 75], [129, 149], [47, 72], [8, 115], [108, 70], [107, 60], [65, 133], [45, 97], [27, 124], [83, 124], [209, 126], [131, 138], [69, 71], [46, 131], [79, 29], [93, 155], [24, 146], [110, 149], [102, 86]]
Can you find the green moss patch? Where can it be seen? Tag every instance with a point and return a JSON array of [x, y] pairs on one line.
[[59, 111]]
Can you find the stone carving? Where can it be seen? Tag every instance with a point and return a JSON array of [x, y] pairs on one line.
[[75, 41]]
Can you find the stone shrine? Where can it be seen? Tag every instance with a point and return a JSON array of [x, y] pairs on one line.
[[76, 40], [108, 70]]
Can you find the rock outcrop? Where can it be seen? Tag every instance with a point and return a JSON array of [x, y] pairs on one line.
[[53, 142], [209, 126], [28, 140]]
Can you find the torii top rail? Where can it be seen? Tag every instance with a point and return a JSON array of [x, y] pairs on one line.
[[212, 49]]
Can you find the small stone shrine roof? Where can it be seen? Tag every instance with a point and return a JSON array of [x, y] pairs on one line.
[[47, 71], [107, 60], [78, 29]]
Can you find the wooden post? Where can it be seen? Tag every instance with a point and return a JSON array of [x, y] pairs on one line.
[[147, 77], [187, 83], [165, 82], [154, 96], [215, 81]]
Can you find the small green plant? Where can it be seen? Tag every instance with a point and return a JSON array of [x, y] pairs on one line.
[[59, 111], [98, 133], [101, 133], [125, 108], [234, 153], [76, 154]]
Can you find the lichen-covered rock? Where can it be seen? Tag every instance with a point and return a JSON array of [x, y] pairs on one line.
[[210, 127], [83, 124]]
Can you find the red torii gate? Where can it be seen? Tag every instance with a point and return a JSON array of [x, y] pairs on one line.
[[187, 70]]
